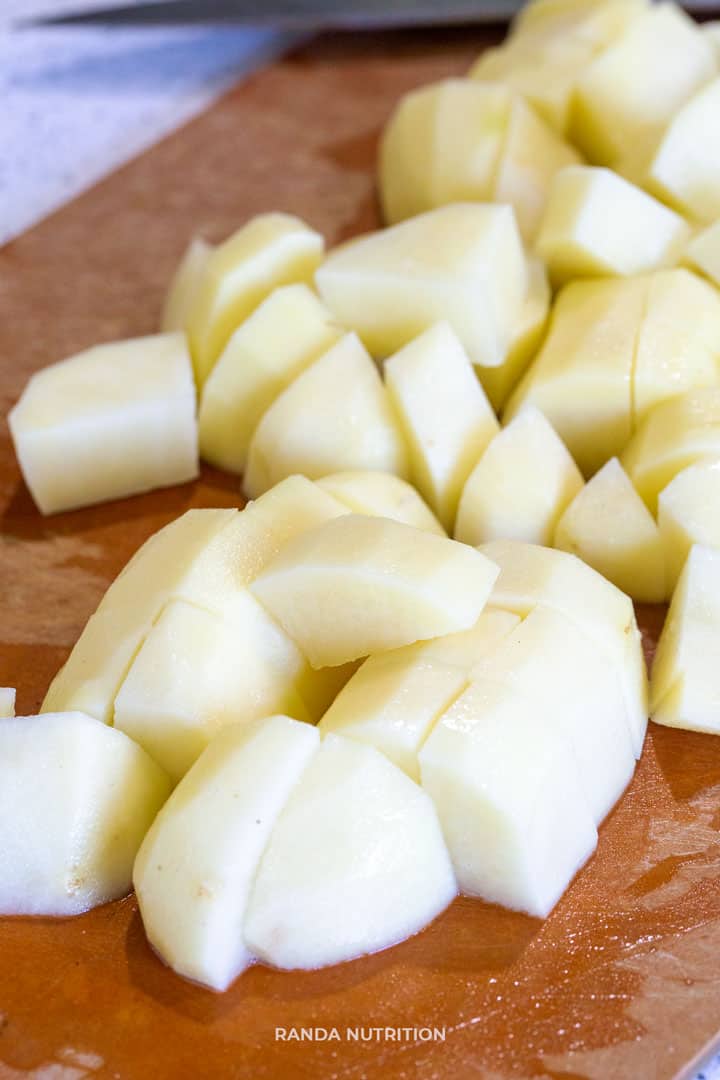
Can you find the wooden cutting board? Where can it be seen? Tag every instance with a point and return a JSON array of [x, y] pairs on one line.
[[623, 981]]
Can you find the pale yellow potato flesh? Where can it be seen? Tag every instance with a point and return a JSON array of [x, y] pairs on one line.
[[76, 799], [184, 285], [462, 263], [115, 420], [7, 702], [685, 682], [360, 585], [703, 253], [381, 494], [444, 414], [269, 251], [195, 869], [283, 336], [689, 513], [610, 528], [521, 485]]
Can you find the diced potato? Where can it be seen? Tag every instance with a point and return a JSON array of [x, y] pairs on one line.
[[270, 250], [609, 527], [596, 21], [356, 862], [520, 486], [7, 702], [712, 30], [673, 435], [689, 513], [507, 791], [113, 421], [582, 377], [632, 89], [703, 253], [678, 346], [282, 337], [381, 494], [527, 336], [195, 673], [195, 870], [549, 659], [395, 697], [184, 285], [685, 169], [76, 799], [361, 585], [462, 263], [685, 683], [531, 575], [596, 224], [444, 414], [335, 415]]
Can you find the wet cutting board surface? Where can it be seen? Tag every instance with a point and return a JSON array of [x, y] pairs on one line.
[[623, 981]]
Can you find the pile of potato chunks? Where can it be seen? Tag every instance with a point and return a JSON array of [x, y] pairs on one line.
[[411, 665]]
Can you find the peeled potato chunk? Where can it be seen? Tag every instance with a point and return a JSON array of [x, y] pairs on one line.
[[113, 421], [631, 90], [76, 799], [689, 513], [7, 702], [531, 575], [489, 766], [520, 486], [184, 285], [685, 682], [360, 585], [195, 870], [270, 250], [548, 658], [676, 433], [582, 377], [381, 495], [444, 414], [394, 698], [610, 528], [462, 263], [356, 862], [335, 415], [282, 337], [597, 224], [703, 253], [499, 382]]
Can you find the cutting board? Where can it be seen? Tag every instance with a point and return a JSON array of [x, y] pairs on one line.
[[621, 983]]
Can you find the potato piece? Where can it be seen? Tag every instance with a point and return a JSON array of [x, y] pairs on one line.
[[520, 486], [633, 88], [206, 557], [531, 575], [506, 788], [685, 682], [499, 382], [685, 169], [547, 658], [195, 673], [76, 799], [283, 336], [361, 585], [689, 513], [444, 415], [381, 495], [270, 250], [703, 253], [582, 377], [609, 527], [195, 870], [596, 224], [462, 263], [395, 697], [596, 21], [712, 30], [673, 435], [7, 702], [335, 415], [356, 862], [184, 285], [113, 421]]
